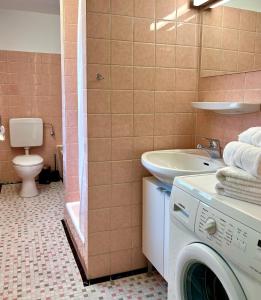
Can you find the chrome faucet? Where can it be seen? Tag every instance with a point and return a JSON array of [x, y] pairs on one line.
[[214, 149]]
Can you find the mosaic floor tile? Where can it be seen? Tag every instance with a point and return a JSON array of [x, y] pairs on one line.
[[36, 261]]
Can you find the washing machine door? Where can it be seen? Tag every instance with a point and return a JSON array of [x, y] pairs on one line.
[[201, 274]]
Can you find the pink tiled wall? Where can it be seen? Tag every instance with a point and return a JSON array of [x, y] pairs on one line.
[[30, 86], [69, 14], [147, 51], [243, 87]]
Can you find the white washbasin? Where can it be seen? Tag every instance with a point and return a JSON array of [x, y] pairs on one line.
[[167, 164]]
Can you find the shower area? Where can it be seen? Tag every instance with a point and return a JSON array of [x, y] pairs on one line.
[[75, 130]]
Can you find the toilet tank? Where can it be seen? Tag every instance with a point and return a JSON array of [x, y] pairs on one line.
[[26, 132]]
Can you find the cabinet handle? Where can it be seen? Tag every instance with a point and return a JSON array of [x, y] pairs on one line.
[[161, 189], [168, 192]]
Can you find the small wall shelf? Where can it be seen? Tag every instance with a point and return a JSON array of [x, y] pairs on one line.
[[228, 108]]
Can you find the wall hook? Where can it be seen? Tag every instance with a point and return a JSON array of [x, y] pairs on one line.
[[99, 76], [52, 132]]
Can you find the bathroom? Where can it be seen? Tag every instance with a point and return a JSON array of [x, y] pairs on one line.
[[111, 80]]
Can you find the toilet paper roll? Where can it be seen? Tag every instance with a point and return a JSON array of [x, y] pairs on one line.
[[2, 133]]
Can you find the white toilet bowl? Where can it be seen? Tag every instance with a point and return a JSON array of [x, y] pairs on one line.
[[27, 168]]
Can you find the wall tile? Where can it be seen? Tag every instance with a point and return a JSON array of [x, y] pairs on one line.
[[122, 194], [165, 56], [99, 196], [184, 124], [120, 217], [213, 16], [166, 32], [165, 79], [211, 37], [143, 102], [121, 261], [99, 125], [121, 78], [248, 20], [164, 142], [247, 41], [229, 61], [98, 6], [165, 124], [99, 173], [186, 80], [231, 17], [144, 54], [98, 101], [230, 39], [122, 148], [144, 30], [99, 243], [98, 265], [143, 124], [122, 102], [187, 57], [142, 144], [99, 149], [166, 9], [122, 7], [245, 61], [98, 51], [121, 53], [122, 28], [99, 220], [145, 8], [122, 171], [144, 78], [121, 239], [187, 34], [122, 125], [98, 25], [165, 102], [92, 82]]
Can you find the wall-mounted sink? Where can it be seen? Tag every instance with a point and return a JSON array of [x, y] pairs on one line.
[[167, 164]]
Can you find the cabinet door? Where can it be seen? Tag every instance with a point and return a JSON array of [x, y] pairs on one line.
[[166, 234], [153, 224]]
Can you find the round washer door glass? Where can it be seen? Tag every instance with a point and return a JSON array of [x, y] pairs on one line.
[[202, 284], [202, 274]]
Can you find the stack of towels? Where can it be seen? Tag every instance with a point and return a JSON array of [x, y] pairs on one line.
[[242, 178]]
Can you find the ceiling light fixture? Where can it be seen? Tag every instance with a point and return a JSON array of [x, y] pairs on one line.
[[199, 2], [205, 4], [218, 3]]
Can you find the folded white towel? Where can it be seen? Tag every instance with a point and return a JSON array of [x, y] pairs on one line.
[[238, 184], [239, 196], [251, 136], [243, 156]]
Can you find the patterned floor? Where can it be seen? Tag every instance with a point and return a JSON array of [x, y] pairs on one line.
[[36, 261]]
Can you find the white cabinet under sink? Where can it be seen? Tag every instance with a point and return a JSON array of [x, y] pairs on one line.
[[155, 224]]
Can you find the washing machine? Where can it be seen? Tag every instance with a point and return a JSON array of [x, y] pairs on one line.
[[215, 243]]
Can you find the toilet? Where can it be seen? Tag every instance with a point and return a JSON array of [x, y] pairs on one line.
[[26, 133]]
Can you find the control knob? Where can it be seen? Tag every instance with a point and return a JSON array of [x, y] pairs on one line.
[[210, 226]]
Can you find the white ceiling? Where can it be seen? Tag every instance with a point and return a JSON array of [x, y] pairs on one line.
[[254, 5], [41, 6]]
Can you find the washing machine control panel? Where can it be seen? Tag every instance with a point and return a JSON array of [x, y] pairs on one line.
[[232, 239]]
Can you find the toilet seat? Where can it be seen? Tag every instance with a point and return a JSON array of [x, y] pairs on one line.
[[27, 160]]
